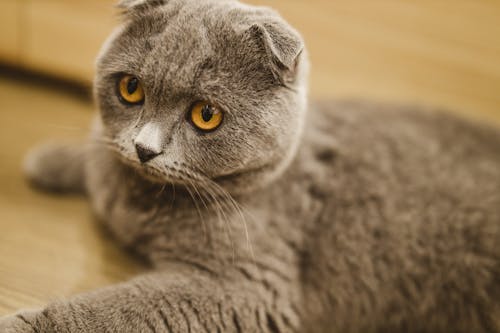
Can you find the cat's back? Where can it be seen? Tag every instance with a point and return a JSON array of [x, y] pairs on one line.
[[410, 220], [402, 147], [361, 149]]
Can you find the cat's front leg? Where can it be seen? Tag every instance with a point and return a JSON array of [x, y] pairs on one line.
[[57, 167], [28, 321], [183, 301]]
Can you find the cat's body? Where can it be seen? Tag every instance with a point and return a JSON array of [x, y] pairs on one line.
[[384, 219], [388, 219]]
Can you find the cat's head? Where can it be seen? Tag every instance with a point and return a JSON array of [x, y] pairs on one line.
[[203, 89]]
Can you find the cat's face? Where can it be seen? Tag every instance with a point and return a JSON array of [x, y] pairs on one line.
[[192, 89]]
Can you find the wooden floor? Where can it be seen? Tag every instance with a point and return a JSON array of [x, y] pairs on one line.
[[50, 246], [443, 53]]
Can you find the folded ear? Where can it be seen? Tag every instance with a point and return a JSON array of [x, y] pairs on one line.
[[282, 45], [139, 6]]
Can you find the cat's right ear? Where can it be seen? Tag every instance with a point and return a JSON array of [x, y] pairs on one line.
[[282, 47], [138, 7]]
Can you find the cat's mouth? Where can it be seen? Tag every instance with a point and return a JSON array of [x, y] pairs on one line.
[[157, 171], [162, 172], [174, 173], [154, 175], [170, 174]]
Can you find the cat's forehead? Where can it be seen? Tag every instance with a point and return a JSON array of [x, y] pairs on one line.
[[186, 28], [197, 48], [179, 25], [177, 38], [173, 46]]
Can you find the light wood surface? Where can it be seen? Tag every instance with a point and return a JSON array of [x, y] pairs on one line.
[[444, 53], [58, 37], [10, 22], [50, 246], [64, 36]]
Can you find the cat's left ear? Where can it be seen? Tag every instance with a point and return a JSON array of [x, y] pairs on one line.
[[283, 47], [139, 6]]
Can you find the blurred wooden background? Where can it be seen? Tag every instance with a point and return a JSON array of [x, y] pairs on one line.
[[444, 53]]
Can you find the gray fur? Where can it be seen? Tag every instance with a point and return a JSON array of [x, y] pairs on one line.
[[354, 218]]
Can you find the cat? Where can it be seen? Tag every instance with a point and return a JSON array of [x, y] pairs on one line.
[[261, 211]]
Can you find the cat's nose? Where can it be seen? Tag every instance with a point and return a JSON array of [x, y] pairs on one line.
[[149, 142], [145, 153]]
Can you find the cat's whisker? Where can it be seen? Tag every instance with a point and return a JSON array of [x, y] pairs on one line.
[[107, 145], [217, 192], [205, 198], [104, 143], [229, 203], [161, 191], [173, 196], [203, 222], [238, 210], [224, 220], [67, 127]]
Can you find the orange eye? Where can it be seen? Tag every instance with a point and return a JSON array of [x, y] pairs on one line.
[[130, 89], [206, 116]]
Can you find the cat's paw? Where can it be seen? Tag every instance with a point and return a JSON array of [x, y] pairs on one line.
[[55, 167], [27, 321], [15, 323], [40, 167]]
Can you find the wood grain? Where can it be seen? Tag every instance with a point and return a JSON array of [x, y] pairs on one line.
[[10, 38], [444, 53]]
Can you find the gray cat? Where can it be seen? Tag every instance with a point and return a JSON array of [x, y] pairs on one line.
[[259, 216]]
